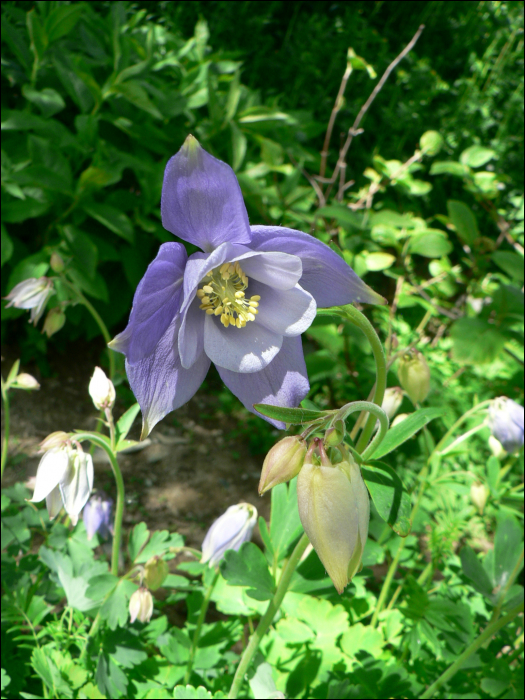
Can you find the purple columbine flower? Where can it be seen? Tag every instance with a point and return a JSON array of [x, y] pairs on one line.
[[242, 303], [506, 423], [97, 516]]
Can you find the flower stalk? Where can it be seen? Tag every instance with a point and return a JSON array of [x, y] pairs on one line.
[[198, 628], [5, 443]]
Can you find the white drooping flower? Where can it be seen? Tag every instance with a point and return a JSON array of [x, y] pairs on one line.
[[32, 294], [101, 390], [230, 531], [65, 479]]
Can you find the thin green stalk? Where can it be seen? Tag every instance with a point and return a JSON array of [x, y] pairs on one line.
[[376, 411], [200, 622], [459, 422], [119, 508], [471, 649], [98, 320], [268, 616], [5, 444], [462, 438]]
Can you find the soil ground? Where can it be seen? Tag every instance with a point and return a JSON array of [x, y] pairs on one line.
[[186, 474]]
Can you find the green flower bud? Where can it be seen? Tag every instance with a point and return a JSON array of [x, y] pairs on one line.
[[155, 572], [335, 435], [56, 263], [414, 375], [496, 447], [141, 605], [335, 510], [282, 462], [478, 496], [55, 319]]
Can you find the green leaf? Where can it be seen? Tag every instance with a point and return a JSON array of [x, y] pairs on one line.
[[95, 287], [44, 665], [265, 536], [134, 93], [188, 692], [431, 243], [511, 263], [37, 34], [125, 422], [83, 249], [360, 638], [508, 547], [343, 215], [431, 142], [111, 218], [289, 415], [285, 524], [462, 216], [61, 21], [375, 262], [48, 101], [389, 496], [401, 432], [476, 156], [111, 679], [449, 167], [262, 683], [248, 567], [115, 609], [473, 569], [160, 542], [7, 246], [138, 538], [73, 82], [475, 341]]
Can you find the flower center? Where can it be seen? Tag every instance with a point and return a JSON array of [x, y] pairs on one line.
[[222, 294]]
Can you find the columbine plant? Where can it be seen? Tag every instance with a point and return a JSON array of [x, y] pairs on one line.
[[241, 304]]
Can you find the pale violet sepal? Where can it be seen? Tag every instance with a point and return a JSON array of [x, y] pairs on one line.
[[506, 422], [230, 531]]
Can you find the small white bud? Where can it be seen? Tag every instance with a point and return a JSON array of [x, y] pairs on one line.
[[230, 531], [478, 496], [25, 381], [101, 390], [141, 605]]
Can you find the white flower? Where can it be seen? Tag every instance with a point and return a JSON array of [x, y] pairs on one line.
[[101, 390], [141, 605], [64, 478], [31, 294], [230, 531]]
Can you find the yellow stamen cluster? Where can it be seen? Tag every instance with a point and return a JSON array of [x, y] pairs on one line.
[[222, 294]]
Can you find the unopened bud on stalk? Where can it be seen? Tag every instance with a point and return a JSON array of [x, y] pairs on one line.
[[282, 462], [399, 419], [335, 510], [335, 435], [101, 390], [496, 447], [392, 401], [56, 263], [141, 605], [414, 375], [478, 496], [57, 439], [155, 574], [230, 531], [55, 319], [25, 381]]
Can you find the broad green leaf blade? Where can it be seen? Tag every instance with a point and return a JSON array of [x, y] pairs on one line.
[[508, 546], [125, 422], [473, 569], [462, 216], [248, 567], [285, 524], [403, 431], [389, 496], [138, 538], [290, 415], [475, 341]]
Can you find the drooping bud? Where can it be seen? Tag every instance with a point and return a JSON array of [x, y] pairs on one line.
[[399, 419], [282, 462], [230, 531], [141, 605], [55, 319], [56, 263], [101, 390], [155, 574], [25, 381], [506, 422], [414, 375], [33, 294], [97, 516], [478, 496], [57, 439], [334, 508], [392, 401], [335, 435]]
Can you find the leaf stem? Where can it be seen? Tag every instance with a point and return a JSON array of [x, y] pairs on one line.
[[119, 508], [200, 622], [268, 616], [5, 443], [471, 649]]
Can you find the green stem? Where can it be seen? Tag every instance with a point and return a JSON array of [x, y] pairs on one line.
[[5, 443], [376, 411], [200, 622], [98, 320], [119, 508], [485, 636], [459, 422], [268, 616]]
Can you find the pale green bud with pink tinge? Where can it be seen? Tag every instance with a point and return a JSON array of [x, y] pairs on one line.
[[101, 390], [335, 434], [25, 381], [155, 572], [478, 495], [392, 400], [414, 375], [141, 605], [283, 462], [55, 320], [334, 508]]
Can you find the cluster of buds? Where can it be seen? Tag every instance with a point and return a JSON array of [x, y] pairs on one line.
[[414, 375], [64, 476], [333, 500]]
